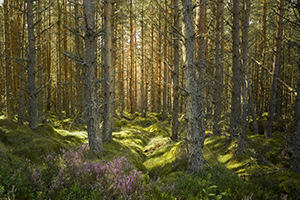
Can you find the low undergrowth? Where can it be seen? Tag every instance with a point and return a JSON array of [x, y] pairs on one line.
[[141, 162]]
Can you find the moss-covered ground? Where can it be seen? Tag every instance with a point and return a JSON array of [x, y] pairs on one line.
[[262, 172]]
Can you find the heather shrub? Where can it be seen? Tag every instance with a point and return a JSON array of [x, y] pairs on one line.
[[70, 176]]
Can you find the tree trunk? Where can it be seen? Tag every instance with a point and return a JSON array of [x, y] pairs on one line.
[[79, 54], [91, 101], [153, 90], [143, 81], [59, 60], [202, 63], [295, 136], [164, 107], [7, 60], [246, 15], [217, 94], [274, 88], [108, 74], [235, 118], [175, 72], [49, 64], [32, 105], [195, 136]]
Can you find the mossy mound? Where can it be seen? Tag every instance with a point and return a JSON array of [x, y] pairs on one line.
[[262, 163], [129, 145], [21, 141], [144, 122], [120, 123], [165, 157]]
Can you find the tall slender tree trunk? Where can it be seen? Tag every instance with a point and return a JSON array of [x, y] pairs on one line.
[[262, 94], [274, 86], [153, 89], [175, 72], [158, 70], [143, 82], [121, 72], [39, 61], [195, 135], [108, 74], [201, 65], [49, 63], [131, 76], [59, 60], [66, 89], [79, 54], [217, 94], [32, 104], [235, 118], [246, 15], [295, 135], [165, 77], [90, 62], [7, 60]]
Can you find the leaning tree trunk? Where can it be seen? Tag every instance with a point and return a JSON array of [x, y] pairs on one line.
[[32, 104], [274, 88], [91, 102], [108, 74], [195, 136]]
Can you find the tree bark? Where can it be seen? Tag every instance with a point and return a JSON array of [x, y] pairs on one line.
[[79, 54], [164, 107], [201, 63], [218, 86], [295, 136], [246, 15], [153, 88], [59, 60], [175, 72], [32, 104], [90, 62], [108, 74], [235, 118], [274, 88], [7, 60], [195, 136]]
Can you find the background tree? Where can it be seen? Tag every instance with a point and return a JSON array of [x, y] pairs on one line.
[[32, 104], [175, 71], [277, 63]]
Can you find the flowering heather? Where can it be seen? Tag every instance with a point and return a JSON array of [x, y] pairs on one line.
[[70, 175]]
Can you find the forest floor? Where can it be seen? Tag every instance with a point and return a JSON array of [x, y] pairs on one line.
[[262, 172]]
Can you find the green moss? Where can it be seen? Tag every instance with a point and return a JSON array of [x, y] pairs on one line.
[[23, 142], [290, 183], [120, 123], [144, 122], [8, 124], [120, 148], [166, 159], [157, 129]]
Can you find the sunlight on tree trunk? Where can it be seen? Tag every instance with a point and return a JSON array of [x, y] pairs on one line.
[[91, 101], [194, 136]]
